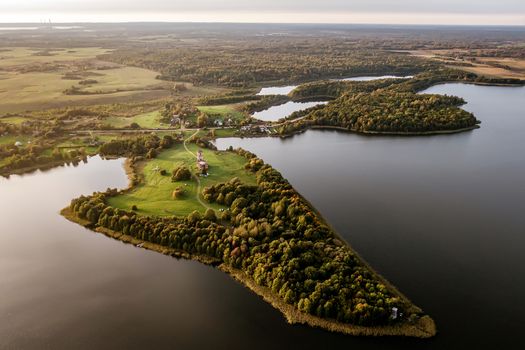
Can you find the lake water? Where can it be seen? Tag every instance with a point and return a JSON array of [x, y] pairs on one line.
[[285, 90], [277, 90], [440, 216], [369, 78], [275, 113]]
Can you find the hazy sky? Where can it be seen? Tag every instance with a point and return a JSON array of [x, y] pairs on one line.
[[291, 11]]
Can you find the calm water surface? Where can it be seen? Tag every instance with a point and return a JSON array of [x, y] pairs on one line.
[[275, 113], [441, 217], [285, 90], [277, 90], [369, 78]]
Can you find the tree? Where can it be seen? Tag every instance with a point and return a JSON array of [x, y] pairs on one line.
[[202, 120], [194, 217], [181, 173], [210, 215], [305, 305], [167, 141], [152, 153], [178, 193]]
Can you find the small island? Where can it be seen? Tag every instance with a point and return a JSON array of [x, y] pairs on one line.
[[240, 215]]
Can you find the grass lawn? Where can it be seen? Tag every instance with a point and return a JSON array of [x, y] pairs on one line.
[[11, 139], [154, 196], [13, 120], [223, 112], [123, 78], [229, 132], [150, 120], [77, 143]]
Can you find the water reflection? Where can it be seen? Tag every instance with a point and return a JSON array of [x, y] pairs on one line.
[[440, 216], [285, 90], [282, 111]]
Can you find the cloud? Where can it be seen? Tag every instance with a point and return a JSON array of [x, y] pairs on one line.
[[314, 11], [381, 6]]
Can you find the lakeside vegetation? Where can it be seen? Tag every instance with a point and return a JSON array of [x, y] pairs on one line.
[[386, 106], [266, 235], [60, 105], [389, 112]]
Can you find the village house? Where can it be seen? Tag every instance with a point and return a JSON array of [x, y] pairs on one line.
[[202, 165], [175, 120]]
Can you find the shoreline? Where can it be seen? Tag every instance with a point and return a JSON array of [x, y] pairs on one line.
[[399, 133], [479, 83], [42, 167], [377, 133], [423, 327]]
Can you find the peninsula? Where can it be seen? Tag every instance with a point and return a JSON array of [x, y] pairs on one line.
[[243, 217]]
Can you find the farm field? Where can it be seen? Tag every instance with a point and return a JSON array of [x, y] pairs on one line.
[[494, 67], [150, 120], [33, 82], [223, 112]]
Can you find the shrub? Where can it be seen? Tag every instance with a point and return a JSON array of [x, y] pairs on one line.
[[181, 173], [210, 215], [178, 193]]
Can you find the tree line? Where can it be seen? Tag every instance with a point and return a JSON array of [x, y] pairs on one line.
[[246, 63], [270, 233], [388, 105]]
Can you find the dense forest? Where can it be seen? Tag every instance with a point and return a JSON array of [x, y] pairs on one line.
[[385, 106], [330, 89], [270, 233], [388, 111], [245, 63]]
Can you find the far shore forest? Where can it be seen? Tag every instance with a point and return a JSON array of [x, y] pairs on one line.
[[141, 92]]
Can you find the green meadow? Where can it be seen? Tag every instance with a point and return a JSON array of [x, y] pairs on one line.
[[154, 195]]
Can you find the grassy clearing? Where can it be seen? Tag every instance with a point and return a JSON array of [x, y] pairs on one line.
[[230, 132], [24, 56], [123, 78], [33, 82], [38, 90], [150, 120], [13, 120], [492, 67], [491, 71], [154, 195], [11, 139], [223, 112], [77, 143]]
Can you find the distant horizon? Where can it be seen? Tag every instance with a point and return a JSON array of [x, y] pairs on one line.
[[271, 18], [45, 23], [409, 12]]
